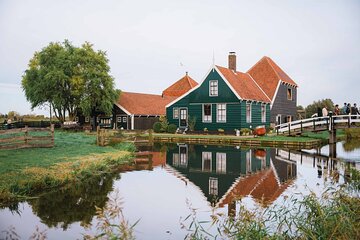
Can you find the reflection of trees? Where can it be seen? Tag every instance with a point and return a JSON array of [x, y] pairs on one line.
[[351, 145], [74, 203]]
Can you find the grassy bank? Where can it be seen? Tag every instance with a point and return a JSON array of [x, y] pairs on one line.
[[26, 172]]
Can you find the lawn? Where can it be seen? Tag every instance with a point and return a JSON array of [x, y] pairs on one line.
[[24, 172]]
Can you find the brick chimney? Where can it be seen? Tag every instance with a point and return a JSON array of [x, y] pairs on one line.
[[232, 61]]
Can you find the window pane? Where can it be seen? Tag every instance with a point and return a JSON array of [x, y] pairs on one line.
[[248, 112], [207, 113], [221, 112]]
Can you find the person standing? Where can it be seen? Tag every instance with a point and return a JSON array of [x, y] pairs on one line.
[[337, 110], [354, 110], [324, 111], [348, 108], [343, 110]]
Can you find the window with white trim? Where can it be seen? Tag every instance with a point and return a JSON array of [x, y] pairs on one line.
[[76, 119], [87, 119], [289, 94], [176, 160], [221, 112], [124, 119], [213, 186], [220, 162], [248, 112], [248, 161], [263, 113], [213, 88], [183, 156], [175, 113], [206, 161], [207, 113]]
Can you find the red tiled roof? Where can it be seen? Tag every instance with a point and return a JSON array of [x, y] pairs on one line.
[[244, 85], [262, 186], [144, 104], [267, 74], [180, 87]]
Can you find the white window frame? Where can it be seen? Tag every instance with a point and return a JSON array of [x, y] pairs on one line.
[[175, 113], [183, 160], [248, 161], [263, 113], [87, 119], [124, 119], [76, 119], [220, 162], [176, 159], [206, 156], [289, 96], [220, 118], [206, 119], [213, 186], [213, 88], [248, 116]]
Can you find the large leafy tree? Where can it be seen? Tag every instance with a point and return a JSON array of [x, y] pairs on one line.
[[69, 79]]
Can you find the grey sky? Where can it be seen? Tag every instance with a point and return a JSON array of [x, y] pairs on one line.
[[151, 44]]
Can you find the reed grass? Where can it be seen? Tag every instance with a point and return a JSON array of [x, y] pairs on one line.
[[333, 215]]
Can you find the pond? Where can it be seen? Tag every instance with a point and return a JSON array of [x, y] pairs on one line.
[[179, 177]]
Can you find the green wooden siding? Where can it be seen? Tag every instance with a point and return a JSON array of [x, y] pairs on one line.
[[235, 108]]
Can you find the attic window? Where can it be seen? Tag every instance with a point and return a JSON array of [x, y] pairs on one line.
[[289, 94], [213, 88]]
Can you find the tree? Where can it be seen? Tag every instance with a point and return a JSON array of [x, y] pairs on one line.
[[69, 79], [313, 108]]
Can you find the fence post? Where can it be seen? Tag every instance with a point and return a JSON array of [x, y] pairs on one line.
[[289, 127], [151, 137], [52, 134], [26, 135], [98, 135]]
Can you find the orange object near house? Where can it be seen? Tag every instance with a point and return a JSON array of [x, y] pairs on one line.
[[260, 130]]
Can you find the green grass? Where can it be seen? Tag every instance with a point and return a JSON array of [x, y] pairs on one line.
[[25, 172], [280, 138], [67, 145]]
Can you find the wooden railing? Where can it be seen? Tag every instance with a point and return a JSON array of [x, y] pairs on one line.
[[319, 124], [27, 138]]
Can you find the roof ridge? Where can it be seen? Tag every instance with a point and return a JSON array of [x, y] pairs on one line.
[[256, 63], [267, 59], [259, 87]]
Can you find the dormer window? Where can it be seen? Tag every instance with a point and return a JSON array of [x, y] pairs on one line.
[[213, 88], [289, 94]]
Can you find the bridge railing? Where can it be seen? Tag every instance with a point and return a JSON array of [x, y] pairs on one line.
[[318, 123]]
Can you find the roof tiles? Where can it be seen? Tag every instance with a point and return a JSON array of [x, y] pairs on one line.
[[144, 104], [180, 87], [244, 85]]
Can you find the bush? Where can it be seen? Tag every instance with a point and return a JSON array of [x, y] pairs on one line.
[[245, 131], [157, 127], [171, 128]]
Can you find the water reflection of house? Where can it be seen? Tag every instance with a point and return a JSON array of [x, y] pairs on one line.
[[225, 174]]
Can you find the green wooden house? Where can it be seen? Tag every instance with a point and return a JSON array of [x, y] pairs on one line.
[[226, 99]]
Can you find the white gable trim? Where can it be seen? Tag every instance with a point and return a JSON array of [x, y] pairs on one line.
[[122, 108], [276, 91], [259, 87], [191, 90], [228, 84]]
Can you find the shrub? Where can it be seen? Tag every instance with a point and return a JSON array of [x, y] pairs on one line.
[[157, 127], [245, 131], [171, 128]]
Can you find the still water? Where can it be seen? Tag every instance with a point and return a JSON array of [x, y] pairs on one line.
[[179, 177]]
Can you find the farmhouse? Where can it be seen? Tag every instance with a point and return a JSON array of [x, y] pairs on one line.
[[228, 99], [139, 110]]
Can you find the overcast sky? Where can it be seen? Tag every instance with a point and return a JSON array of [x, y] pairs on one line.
[[151, 44]]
